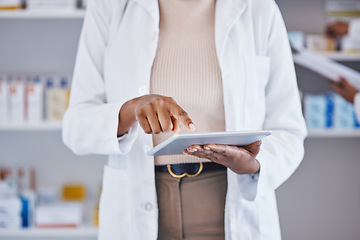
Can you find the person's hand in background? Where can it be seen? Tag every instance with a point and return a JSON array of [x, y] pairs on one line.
[[155, 114], [241, 160], [337, 29], [345, 89]]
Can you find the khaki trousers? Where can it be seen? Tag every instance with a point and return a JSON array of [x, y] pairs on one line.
[[191, 208]]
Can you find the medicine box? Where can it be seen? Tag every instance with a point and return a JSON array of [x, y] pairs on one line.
[[317, 110], [52, 4], [343, 113], [10, 4], [4, 95], [35, 100], [17, 99]]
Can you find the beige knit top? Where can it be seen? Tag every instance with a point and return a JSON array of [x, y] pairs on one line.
[[186, 68]]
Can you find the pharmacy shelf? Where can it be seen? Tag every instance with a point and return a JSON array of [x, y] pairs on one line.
[[334, 133], [45, 126], [42, 14], [342, 57], [82, 232]]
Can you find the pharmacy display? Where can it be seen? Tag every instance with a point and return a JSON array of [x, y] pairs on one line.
[[33, 99], [22, 205], [42, 4]]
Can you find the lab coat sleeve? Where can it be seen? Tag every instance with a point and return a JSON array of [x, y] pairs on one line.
[[357, 106], [90, 124], [354, 29], [282, 152]]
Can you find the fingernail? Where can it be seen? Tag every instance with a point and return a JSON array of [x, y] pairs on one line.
[[207, 148], [192, 150], [192, 126]]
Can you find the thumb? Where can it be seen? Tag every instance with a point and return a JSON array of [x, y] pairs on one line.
[[254, 147]]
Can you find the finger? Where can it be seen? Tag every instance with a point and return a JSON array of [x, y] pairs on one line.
[[182, 116], [164, 120], [194, 148], [144, 124], [217, 148], [154, 123], [175, 124], [253, 148]]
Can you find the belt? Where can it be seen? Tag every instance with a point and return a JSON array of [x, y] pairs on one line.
[[189, 169]]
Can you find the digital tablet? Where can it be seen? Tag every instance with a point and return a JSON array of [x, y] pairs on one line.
[[177, 143]]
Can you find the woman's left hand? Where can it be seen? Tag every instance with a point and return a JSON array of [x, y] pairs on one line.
[[241, 160]]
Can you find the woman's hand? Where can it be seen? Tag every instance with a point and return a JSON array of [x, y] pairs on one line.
[[241, 160], [155, 114], [345, 89]]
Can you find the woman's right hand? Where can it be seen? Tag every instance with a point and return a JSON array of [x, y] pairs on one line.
[[155, 114]]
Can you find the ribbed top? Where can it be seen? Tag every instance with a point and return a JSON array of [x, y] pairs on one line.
[[186, 68]]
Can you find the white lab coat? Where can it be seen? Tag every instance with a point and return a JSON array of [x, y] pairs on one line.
[[115, 56], [354, 33]]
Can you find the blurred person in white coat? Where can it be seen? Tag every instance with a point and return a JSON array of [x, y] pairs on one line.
[[146, 68], [339, 29]]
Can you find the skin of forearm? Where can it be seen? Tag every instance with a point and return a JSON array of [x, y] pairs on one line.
[[127, 118]]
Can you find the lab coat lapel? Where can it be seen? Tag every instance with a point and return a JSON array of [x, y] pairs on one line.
[[151, 6], [226, 14]]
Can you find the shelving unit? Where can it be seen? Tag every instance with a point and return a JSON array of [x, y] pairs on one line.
[[32, 44], [326, 133], [43, 14], [45, 126], [343, 57], [89, 232]]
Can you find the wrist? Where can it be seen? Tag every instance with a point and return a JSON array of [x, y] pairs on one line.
[[127, 117]]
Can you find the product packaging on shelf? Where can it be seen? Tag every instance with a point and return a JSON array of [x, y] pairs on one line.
[[17, 99], [10, 212], [10, 4], [343, 113], [35, 100], [316, 114], [73, 192], [320, 43], [329, 111], [57, 97], [4, 92], [342, 10], [59, 215], [30, 98], [51, 4]]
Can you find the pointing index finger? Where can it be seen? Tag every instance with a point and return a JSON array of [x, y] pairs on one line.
[[183, 117]]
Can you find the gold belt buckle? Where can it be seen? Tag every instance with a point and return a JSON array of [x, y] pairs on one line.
[[185, 174]]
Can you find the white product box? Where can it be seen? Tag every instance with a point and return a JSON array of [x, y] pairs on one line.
[[342, 10], [35, 100], [10, 3], [343, 113], [316, 108], [59, 215], [57, 98], [297, 39], [4, 95], [319, 43], [10, 216], [17, 99], [52, 4]]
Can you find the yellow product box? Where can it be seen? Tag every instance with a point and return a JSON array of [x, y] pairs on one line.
[[10, 4], [73, 192]]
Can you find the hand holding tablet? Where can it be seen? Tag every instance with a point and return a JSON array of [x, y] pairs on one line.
[[179, 142]]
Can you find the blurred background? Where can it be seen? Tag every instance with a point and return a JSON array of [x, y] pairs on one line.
[[46, 192]]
